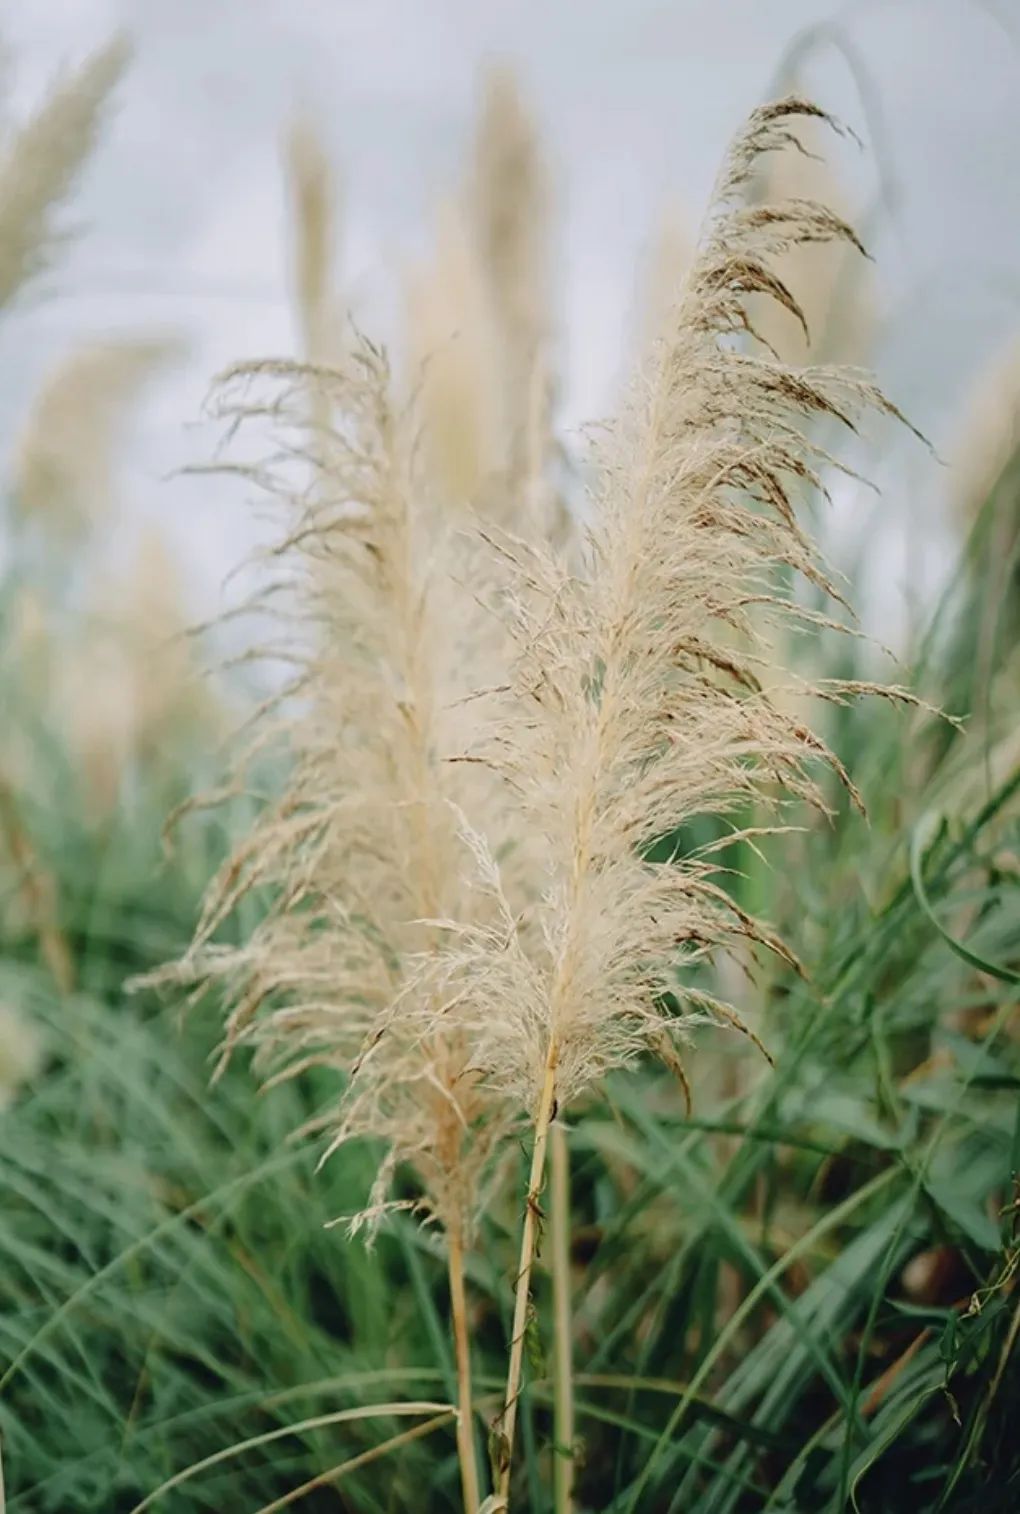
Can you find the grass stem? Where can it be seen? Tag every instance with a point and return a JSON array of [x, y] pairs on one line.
[[462, 1348], [507, 1421], [563, 1372]]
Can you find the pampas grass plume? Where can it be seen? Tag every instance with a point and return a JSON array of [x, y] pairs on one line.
[[507, 203], [369, 849], [41, 161], [315, 207], [454, 357], [127, 690], [637, 703], [63, 467], [662, 271]]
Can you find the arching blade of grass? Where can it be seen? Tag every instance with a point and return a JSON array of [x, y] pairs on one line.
[[299, 1427], [331, 1477]]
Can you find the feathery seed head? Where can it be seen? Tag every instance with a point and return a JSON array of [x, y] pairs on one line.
[[41, 161], [315, 202], [637, 705], [663, 268], [481, 329], [127, 688], [508, 205], [446, 986], [454, 346], [366, 852], [63, 465]]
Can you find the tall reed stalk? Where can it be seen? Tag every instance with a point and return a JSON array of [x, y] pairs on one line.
[[522, 1285], [462, 1351], [637, 703], [563, 1365]]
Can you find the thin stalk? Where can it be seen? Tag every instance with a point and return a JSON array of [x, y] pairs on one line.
[[563, 1369], [334, 1474], [507, 1421], [462, 1349]]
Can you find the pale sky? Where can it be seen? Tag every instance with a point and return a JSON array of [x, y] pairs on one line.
[[181, 224]]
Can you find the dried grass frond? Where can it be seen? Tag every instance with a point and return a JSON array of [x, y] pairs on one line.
[[63, 462], [454, 347], [127, 688], [375, 606], [507, 202], [636, 704], [42, 160], [481, 330], [508, 206]]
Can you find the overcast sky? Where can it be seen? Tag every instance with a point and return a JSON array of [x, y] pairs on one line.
[[181, 220]]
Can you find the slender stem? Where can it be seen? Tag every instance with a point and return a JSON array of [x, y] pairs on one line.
[[334, 1474], [507, 1421], [559, 1236], [462, 1348]]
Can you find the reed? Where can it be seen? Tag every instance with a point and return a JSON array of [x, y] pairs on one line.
[[42, 159], [636, 704], [369, 848], [63, 467]]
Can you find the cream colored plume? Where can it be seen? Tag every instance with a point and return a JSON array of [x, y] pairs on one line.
[[128, 690], [172, 704], [315, 210], [41, 160], [369, 849], [455, 350], [507, 203], [639, 705], [380, 624], [31, 894], [481, 330], [63, 467]]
